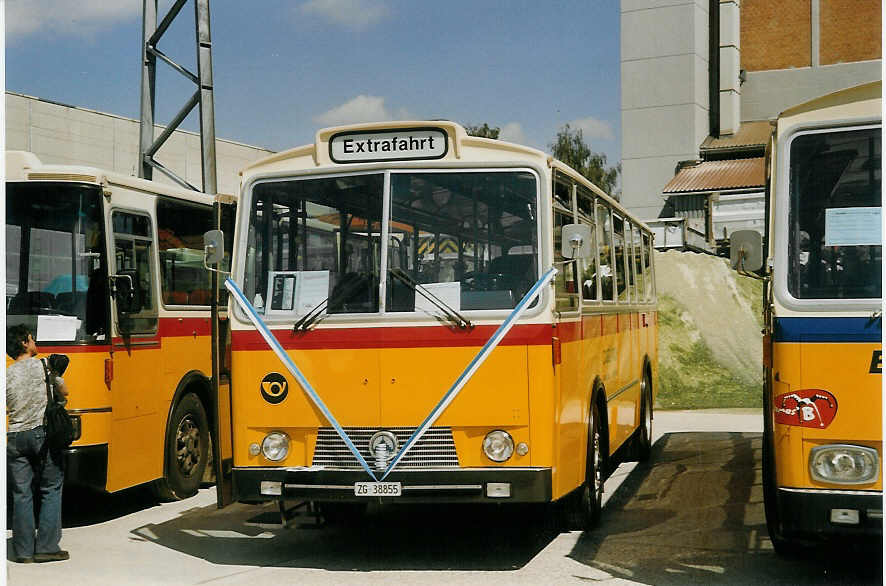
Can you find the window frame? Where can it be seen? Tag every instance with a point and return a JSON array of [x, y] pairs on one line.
[[782, 220], [542, 188], [113, 269]]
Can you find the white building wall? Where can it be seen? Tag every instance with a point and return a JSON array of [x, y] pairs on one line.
[[664, 63], [766, 94], [66, 135]]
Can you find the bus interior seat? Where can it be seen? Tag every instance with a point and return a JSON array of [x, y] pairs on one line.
[[354, 293], [31, 302], [400, 296], [487, 299]]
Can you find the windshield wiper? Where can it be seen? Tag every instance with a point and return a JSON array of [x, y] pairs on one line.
[[317, 314], [453, 316]]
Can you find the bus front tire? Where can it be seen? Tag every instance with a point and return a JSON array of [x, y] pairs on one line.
[[587, 504], [644, 439], [187, 450]]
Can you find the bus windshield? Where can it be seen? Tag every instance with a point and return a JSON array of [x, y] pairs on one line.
[[56, 279], [467, 238], [834, 250]]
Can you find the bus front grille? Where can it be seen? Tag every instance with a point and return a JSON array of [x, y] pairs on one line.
[[434, 449]]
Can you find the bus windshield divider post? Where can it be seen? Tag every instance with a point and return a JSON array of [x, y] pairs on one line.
[[472, 367], [260, 325]]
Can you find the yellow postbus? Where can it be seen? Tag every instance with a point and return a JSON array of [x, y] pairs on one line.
[[108, 269], [822, 471], [419, 315]]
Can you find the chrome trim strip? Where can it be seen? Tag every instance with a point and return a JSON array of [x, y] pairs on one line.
[[445, 487], [145, 343], [833, 491], [416, 487], [321, 486], [623, 389], [94, 410], [874, 513], [401, 471]]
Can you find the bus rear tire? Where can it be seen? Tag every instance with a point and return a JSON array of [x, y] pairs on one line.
[[187, 450]]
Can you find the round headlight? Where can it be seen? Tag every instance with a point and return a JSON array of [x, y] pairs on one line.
[[275, 446], [498, 445]]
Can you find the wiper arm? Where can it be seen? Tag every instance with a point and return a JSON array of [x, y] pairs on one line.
[[316, 314], [311, 317], [455, 317]]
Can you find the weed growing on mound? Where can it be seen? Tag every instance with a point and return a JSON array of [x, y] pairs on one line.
[[689, 376]]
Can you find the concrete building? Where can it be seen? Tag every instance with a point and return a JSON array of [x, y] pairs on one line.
[[701, 79], [68, 135]]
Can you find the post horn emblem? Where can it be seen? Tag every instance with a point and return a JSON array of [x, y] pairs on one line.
[[274, 387]]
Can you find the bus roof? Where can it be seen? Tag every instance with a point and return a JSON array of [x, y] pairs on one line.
[[860, 93], [26, 166], [319, 154]]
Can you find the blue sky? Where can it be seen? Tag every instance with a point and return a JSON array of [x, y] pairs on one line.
[[282, 69]]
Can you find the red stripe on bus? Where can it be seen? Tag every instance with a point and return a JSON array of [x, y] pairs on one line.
[[395, 337], [568, 331], [172, 327], [73, 349]]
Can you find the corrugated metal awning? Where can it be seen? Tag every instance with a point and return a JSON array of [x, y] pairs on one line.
[[750, 135], [718, 175]]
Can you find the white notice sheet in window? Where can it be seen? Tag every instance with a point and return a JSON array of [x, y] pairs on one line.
[[852, 227]]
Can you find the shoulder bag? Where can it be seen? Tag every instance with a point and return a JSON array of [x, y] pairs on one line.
[[56, 421]]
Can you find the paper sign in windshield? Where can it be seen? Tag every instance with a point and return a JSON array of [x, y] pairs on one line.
[[57, 328], [852, 227], [296, 292], [448, 293]]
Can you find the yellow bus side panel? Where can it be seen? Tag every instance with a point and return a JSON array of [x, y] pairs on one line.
[[543, 380], [842, 369]]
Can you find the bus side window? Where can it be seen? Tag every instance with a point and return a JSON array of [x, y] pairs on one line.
[[565, 283], [132, 256], [618, 249], [589, 276], [649, 277], [604, 243], [180, 229]]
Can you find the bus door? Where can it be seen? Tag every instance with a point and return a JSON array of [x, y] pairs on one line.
[[135, 354]]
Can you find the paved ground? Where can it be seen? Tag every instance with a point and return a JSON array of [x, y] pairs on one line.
[[693, 515]]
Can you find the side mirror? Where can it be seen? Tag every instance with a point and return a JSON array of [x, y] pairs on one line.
[[126, 294], [746, 250], [213, 248], [576, 241]]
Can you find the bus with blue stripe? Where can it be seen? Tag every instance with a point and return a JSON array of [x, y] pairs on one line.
[[822, 444], [419, 315]]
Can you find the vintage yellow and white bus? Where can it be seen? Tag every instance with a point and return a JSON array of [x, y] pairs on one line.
[[822, 449], [397, 330], [108, 269]]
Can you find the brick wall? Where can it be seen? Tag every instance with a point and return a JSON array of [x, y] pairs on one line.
[[850, 31], [776, 34]]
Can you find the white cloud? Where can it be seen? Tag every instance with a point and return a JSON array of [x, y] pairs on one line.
[[513, 132], [351, 14], [363, 108], [592, 128], [83, 18]]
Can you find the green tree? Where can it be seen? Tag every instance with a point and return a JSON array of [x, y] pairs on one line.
[[484, 131], [570, 147]]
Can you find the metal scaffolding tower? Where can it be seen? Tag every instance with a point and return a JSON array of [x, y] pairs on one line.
[[148, 145]]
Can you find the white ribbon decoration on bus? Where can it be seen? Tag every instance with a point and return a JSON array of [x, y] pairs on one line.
[[435, 413]]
